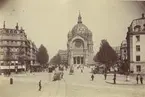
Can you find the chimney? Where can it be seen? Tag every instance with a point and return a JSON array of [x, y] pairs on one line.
[[128, 29], [4, 25], [143, 15], [17, 26]]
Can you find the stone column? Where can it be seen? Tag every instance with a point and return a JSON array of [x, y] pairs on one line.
[[82, 60], [86, 58], [79, 59], [75, 60], [31, 62], [71, 58]]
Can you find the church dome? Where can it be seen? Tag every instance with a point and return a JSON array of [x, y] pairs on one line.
[[80, 28]]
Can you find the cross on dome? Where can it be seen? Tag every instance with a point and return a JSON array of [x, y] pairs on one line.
[[79, 18]]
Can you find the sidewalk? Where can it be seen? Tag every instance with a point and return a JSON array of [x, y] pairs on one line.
[[3, 79], [121, 80]]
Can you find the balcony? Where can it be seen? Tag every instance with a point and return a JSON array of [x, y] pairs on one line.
[[12, 67], [11, 45]]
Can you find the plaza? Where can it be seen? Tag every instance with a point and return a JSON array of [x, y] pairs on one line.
[[76, 85]]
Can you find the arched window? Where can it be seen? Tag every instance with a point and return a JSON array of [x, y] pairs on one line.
[[11, 31], [137, 28], [6, 42], [143, 27], [10, 42], [15, 32], [78, 43], [23, 43], [78, 60], [18, 32]]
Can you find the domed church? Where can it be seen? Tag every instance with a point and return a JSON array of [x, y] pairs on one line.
[[80, 45]]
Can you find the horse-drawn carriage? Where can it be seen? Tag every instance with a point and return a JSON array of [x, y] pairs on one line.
[[58, 75]]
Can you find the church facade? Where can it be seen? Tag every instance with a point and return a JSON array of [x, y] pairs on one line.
[[80, 45]]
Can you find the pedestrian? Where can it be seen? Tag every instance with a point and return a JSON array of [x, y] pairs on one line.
[[40, 85], [141, 79], [92, 77], [114, 78], [105, 75], [115, 75], [81, 70], [62, 75], [137, 78]]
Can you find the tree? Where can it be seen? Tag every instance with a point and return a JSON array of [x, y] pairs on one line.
[[95, 58], [56, 60], [42, 56], [106, 55]]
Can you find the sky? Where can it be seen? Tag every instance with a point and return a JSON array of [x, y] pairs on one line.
[[48, 22]]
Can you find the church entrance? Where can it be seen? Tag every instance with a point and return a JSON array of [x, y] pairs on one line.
[[78, 60]]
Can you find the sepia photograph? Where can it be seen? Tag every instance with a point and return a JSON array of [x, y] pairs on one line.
[[72, 48]]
